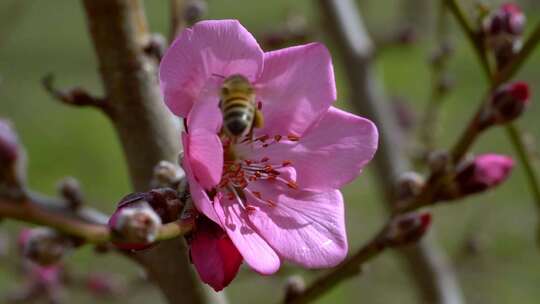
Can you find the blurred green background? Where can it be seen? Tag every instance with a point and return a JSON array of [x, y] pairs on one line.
[[488, 238]]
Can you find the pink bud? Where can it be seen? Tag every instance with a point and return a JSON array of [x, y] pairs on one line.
[[104, 285], [508, 19], [509, 102], [502, 31], [407, 228], [484, 172], [43, 246], [9, 144], [134, 224], [215, 257]]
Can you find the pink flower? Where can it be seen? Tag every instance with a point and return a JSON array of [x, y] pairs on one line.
[[276, 197]]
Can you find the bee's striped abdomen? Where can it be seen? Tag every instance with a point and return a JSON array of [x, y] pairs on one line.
[[237, 116]]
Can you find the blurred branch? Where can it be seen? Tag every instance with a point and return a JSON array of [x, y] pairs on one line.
[[498, 78], [178, 22], [439, 83], [147, 130], [472, 35], [84, 223], [76, 96], [517, 61], [433, 276], [398, 231]]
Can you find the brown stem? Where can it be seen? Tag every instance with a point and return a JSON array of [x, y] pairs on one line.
[[76, 96], [178, 23], [349, 268], [84, 223], [147, 130], [435, 280]]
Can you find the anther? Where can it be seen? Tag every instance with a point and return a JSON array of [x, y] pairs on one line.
[[277, 138], [293, 137], [265, 159], [286, 163], [291, 184], [250, 208], [271, 203]]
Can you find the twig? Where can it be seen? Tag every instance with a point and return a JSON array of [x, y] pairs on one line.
[[532, 177], [348, 269], [439, 83], [435, 280], [472, 35], [497, 79], [76, 96], [84, 223], [517, 61]]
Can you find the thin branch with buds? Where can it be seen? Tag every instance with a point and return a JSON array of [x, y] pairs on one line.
[[433, 276], [496, 79]]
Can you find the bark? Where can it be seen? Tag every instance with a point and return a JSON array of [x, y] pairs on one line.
[[147, 130], [428, 266]]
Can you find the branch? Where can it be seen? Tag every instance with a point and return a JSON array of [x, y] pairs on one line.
[[147, 130], [76, 96], [433, 276], [178, 22], [497, 79], [87, 224], [350, 268]]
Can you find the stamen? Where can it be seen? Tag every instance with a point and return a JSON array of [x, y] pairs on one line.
[[293, 137], [286, 163]]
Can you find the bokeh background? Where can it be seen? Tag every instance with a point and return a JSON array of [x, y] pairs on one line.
[[489, 238]]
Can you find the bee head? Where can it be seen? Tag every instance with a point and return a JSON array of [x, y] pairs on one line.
[[235, 84]]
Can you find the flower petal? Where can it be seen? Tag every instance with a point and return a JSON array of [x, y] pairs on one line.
[[206, 157], [205, 114], [306, 228], [331, 153], [295, 88], [255, 250], [214, 255], [200, 198], [209, 49]]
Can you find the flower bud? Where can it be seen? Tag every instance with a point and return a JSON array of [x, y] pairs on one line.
[[502, 30], [213, 254], [70, 189], [167, 175], [409, 184], [166, 204], [43, 246], [509, 102], [134, 224], [10, 153], [407, 228], [194, 10], [295, 286], [484, 172]]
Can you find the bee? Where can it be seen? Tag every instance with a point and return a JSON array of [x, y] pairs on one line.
[[240, 111]]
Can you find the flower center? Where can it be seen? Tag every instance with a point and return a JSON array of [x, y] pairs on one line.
[[239, 172]]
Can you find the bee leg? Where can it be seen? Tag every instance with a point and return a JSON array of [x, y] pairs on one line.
[[258, 119]]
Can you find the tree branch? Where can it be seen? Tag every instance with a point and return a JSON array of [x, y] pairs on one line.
[[433, 276], [76, 96], [498, 78], [147, 130]]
